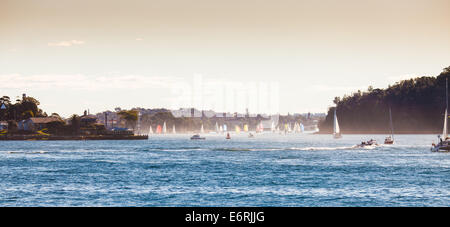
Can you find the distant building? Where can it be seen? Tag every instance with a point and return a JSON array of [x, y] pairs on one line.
[[191, 112], [36, 123], [88, 120], [267, 124]]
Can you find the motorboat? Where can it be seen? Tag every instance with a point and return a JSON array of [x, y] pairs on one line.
[[443, 145], [228, 136], [197, 137], [368, 143]]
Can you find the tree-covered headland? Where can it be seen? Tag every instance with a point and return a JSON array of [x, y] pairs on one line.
[[417, 106]]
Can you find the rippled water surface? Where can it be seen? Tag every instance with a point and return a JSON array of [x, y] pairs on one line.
[[268, 170]]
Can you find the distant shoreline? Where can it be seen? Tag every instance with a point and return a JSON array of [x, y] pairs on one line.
[[88, 137]]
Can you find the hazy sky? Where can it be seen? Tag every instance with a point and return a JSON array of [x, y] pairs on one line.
[[271, 56]]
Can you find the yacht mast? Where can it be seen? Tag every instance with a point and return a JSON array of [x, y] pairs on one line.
[[390, 122]]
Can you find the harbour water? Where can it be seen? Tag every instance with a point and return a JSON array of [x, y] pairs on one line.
[[267, 170]]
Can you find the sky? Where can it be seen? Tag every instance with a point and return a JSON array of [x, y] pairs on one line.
[[272, 56]]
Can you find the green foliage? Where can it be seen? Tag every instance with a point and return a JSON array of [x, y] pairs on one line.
[[130, 117], [21, 109], [75, 122]]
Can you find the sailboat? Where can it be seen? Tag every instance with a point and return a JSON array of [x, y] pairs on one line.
[[202, 130], [217, 128], [444, 142], [245, 128], [150, 131], [164, 129], [158, 129], [259, 128], [237, 129], [173, 130], [272, 127], [302, 127], [336, 129], [297, 128], [390, 139]]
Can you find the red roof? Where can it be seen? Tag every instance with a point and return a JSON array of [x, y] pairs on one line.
[[43, 120]]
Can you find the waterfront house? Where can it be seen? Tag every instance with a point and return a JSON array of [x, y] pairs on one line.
[[88, 120], [36, 123]]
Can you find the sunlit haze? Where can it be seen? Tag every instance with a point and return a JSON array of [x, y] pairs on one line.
[[269, 56]]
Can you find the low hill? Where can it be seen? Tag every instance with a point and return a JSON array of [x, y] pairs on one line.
[[417, 105]]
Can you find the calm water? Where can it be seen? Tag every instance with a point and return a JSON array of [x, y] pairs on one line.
[[268, 170]]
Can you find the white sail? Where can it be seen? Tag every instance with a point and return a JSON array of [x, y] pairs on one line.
[[150, 131], [302, 127], [336, 129], [202, 130], [217, 128], [444, 131], [164, 128], [173, 130], [272, 127], [221, 129]]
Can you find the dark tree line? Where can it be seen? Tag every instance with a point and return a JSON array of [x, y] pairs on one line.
[[21, 109], [417, 105]]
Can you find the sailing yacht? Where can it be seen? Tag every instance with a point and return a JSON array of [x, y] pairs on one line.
[[173, 130], [443, 145], [202, 130], [158, 129], [245, 128], [390, 139], [164, 129], [150, 131], [336, 129], [237, 129], [444, 142]]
